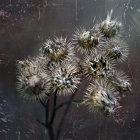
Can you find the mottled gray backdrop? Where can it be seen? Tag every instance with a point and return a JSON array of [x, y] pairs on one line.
[[24, 25]]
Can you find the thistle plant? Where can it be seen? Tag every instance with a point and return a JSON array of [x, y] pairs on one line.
[[56, 71]]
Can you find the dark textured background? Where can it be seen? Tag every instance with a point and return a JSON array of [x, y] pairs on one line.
[[24, 25]]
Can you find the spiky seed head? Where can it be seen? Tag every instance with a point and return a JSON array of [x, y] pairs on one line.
[[101, 96], [109, 27], [50, 65], [97, 65], [58, 50], [77, 62], [83, 40], [98, 37], [120, 81], [116, 49], [33, 82], [64, 78]]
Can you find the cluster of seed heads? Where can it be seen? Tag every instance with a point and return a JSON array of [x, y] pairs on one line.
[[57, 69]]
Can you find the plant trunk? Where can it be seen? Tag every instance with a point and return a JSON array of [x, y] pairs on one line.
[[50, 133]]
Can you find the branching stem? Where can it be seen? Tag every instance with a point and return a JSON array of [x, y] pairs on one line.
[[64, 115], [50, 118]]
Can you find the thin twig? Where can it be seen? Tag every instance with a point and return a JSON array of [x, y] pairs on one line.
[[50, 132], [47, 125], [67, 102], [54, 110], [44, 105], [41, 123], [47, 113], [61, 105], [64, 115]]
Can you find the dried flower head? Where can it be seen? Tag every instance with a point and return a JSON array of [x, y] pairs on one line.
[[77, 62], [57, 50], [98, 37], [64, 78], [88, 40], [101, 96], [97, 65], [120, 81], [116, 49], [83, 40], [109, 27], [33, 82]]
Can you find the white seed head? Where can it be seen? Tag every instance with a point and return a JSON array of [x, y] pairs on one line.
[[98, 37], [116, 49], [83, 40], [87, 40], [58, 50], [109, 27], [33, 82], [120, 81], [65, 78], [97, 65], [101, 96]]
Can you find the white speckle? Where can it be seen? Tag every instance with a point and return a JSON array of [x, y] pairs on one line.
[[131, 8], [133, 119], [138, 10]]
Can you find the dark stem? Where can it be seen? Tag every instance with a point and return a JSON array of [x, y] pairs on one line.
[[54, 110], [46, 124], [50, 133], [49, 122], [47, 113], [43, 124], [61, 105], [67, 102], [43, 104], [64, 115]]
